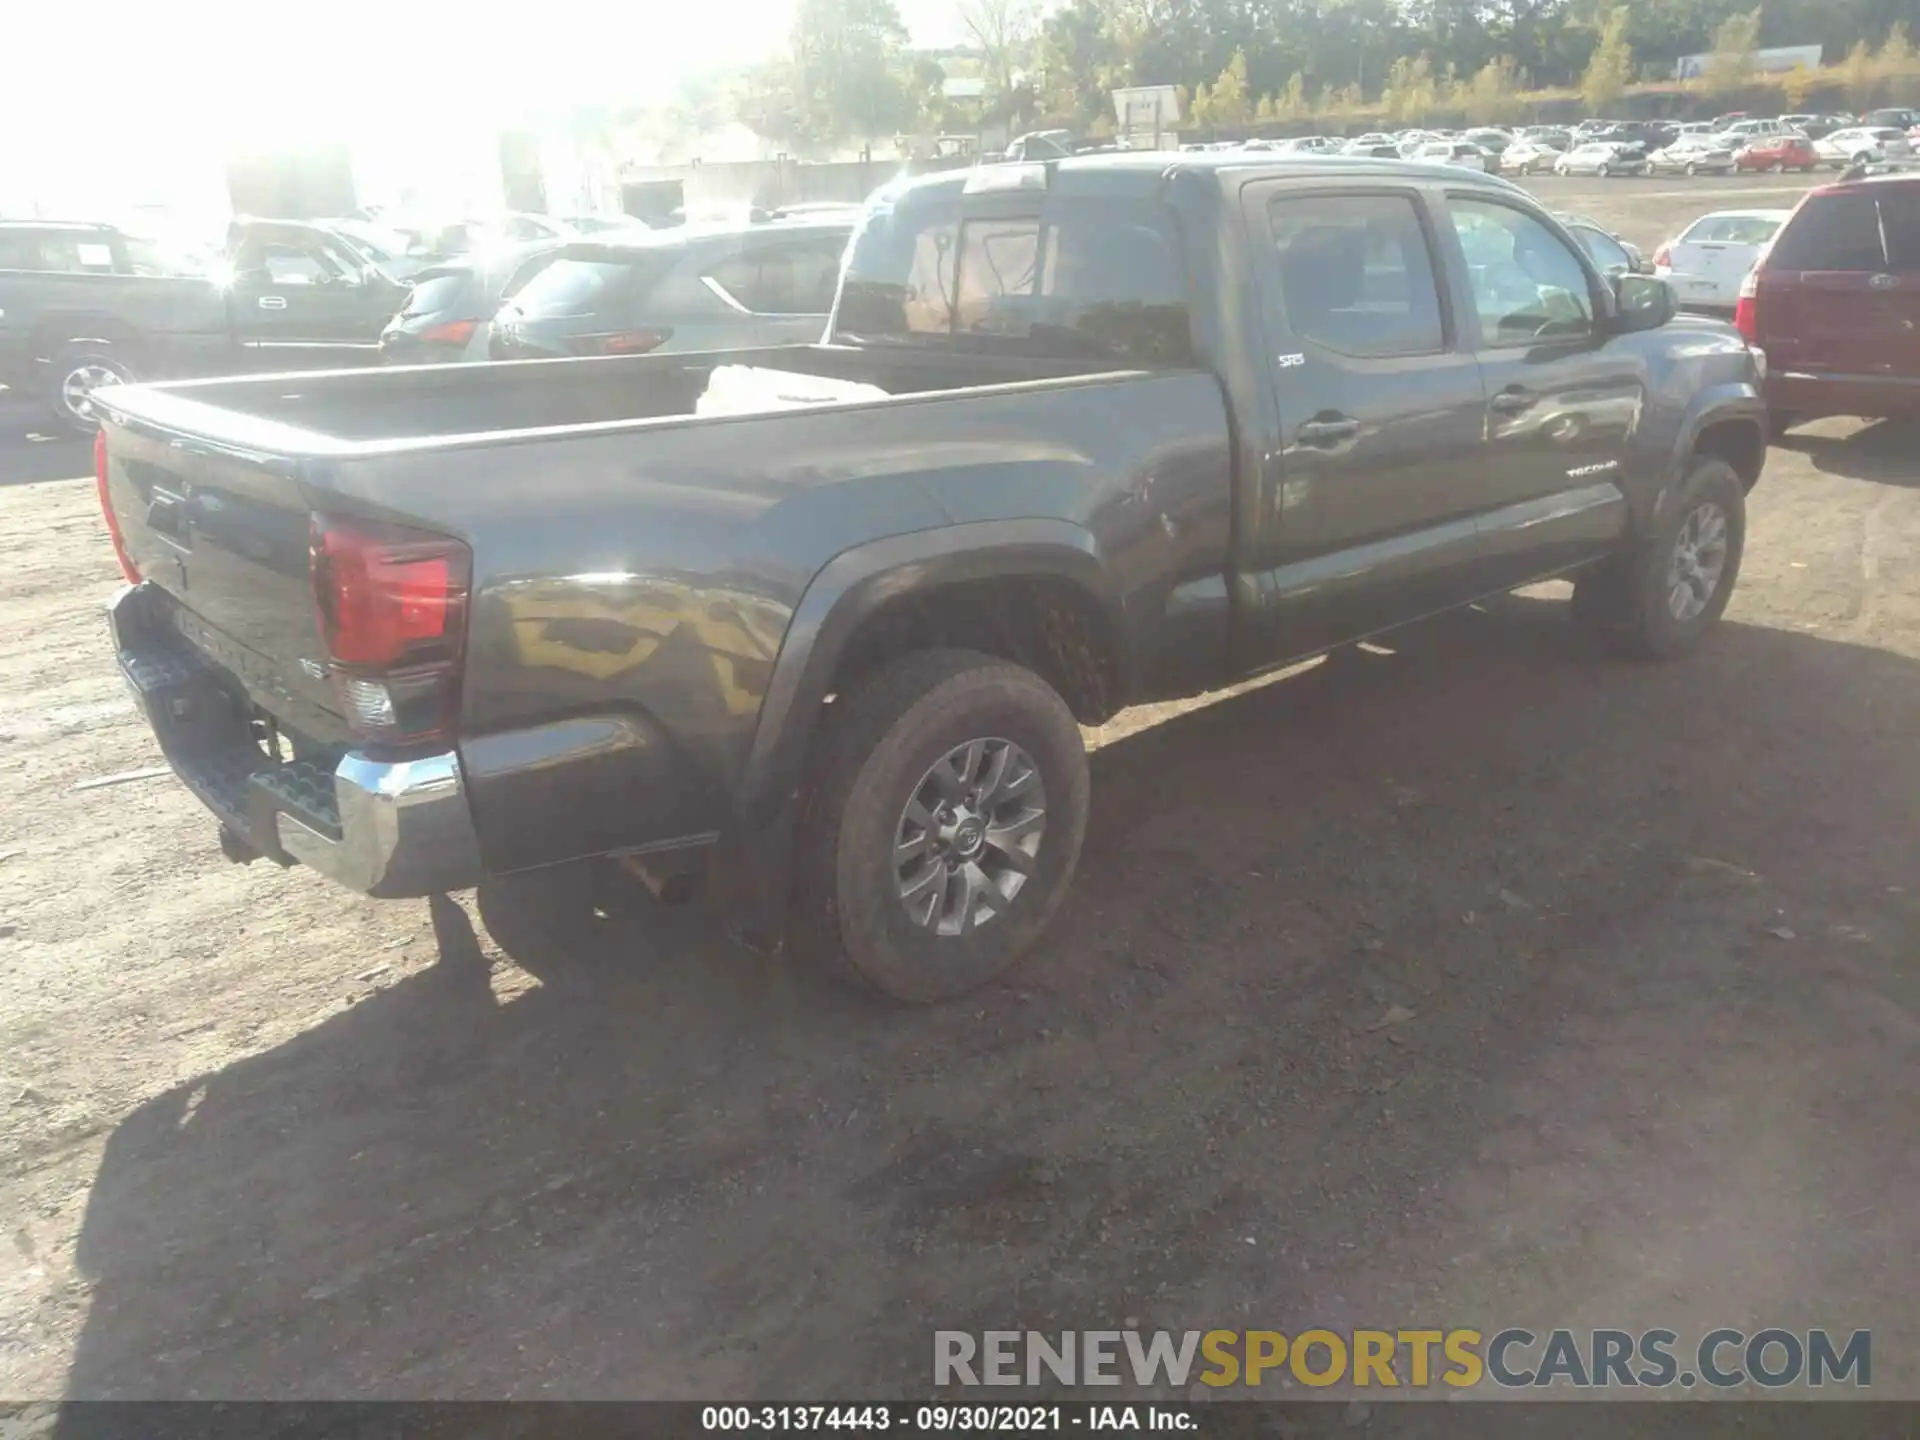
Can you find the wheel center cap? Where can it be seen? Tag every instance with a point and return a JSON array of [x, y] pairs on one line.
[[968, 836]]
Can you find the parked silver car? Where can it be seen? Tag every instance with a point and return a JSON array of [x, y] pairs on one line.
[[1602, 158], [1693, 155]]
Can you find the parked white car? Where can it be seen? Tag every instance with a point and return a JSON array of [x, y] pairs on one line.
[[1600, 158], [1463, 153], [1868, 143], [1706, 264], [1526, 157]]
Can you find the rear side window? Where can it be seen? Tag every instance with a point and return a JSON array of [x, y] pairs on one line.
[[1081, 277], [794, 278], [1356, 275], [1839, 231], [1731, 230], [19, 252], [73, 254], [1900, 223], [434, 293], [584, 285]]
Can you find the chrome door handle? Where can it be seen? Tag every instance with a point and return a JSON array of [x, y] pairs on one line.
[[1883, 282], [1327, 432], [1511, 402], [273, 302]]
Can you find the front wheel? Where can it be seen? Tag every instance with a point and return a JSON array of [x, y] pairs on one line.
[[941, 825], [1603, 170], [76, 375], [1692, 169], [1656, 599]]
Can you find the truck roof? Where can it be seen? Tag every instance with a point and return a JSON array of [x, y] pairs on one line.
[[1140, 172], [83, 226]]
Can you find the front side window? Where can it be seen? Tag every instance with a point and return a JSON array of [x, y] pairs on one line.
[[1527, 284], [1356, 275]]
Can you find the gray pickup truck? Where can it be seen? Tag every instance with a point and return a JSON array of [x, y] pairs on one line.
[[818, 623]]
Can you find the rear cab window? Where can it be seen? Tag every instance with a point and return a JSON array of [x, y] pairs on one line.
[[1042, 274]]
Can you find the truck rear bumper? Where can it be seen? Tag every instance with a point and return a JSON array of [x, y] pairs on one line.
[[388, 828]]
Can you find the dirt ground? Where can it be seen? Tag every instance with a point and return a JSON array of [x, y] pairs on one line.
[[1656, 928]]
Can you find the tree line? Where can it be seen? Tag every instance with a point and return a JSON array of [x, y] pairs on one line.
[[848, 72]]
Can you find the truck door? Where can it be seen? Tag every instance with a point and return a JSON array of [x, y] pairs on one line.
[[302, 304], [1562, 397], [1380, 413]]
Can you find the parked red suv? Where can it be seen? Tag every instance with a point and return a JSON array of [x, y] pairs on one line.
[[1778, 152], [1834, 303]]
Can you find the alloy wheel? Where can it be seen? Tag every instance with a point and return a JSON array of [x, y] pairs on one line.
[[1697, 562], [969, 836]]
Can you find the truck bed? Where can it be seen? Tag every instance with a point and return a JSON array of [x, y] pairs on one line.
[[351, 410], [637, 569]]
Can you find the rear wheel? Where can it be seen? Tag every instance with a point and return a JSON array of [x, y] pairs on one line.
[[77, 373], [941, 825], [1692, 169], [1603, 170], [1657, 599]]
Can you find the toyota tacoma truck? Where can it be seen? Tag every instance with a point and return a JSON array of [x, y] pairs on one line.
[[822, 624], [83, 306]]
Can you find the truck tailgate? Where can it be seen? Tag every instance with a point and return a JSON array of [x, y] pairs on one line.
[[224, 535]]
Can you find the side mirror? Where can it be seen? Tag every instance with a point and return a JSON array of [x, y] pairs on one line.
[[1642, 302]]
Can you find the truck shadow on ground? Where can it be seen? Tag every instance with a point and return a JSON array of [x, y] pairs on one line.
[[674, 1169], [1881, 452]]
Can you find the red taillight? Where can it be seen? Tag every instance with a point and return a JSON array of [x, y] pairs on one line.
[[624, 342], [386, 595], [392, 606], [1746, 309], [1663, 257], [127, 572], [450, 332]]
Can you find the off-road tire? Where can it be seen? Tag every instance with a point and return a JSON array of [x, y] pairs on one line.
[[877, 744], [1623, 602]]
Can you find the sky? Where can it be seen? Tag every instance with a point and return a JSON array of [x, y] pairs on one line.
[[255, 70], [171, 83], [175, 87]]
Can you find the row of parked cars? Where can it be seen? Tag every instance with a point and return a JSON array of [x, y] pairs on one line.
[[1606, 148], [85, 305]]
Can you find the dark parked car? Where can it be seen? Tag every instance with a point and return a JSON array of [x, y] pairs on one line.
[[447, 312], [692, 288], [1107, 430], [1834, 302], [95, 308]]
